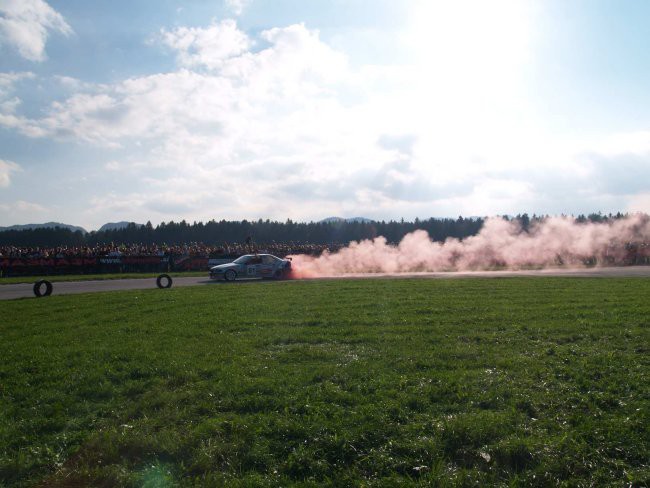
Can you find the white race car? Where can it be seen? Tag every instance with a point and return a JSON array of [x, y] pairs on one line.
[[252, 266]]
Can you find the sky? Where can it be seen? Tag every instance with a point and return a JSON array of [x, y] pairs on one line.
[[245, 109]]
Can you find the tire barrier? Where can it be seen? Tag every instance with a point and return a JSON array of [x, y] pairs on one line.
[[161, 278], [37, 288]]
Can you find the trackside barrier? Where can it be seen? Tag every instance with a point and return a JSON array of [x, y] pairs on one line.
[[38, 288], [107, 264], [164, 281]]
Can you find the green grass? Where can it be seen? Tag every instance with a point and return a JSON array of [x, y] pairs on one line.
[[105, 276], [473, 382]]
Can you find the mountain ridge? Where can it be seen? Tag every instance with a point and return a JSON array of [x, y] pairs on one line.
[[46, 225], [116, 225], [122, 224]]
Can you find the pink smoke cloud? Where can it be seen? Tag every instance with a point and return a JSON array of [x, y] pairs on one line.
[[556, 241]]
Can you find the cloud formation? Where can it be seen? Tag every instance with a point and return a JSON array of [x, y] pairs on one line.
[[25, 211], [6, 169], [26, 25], [237, 7], [8, 81], [282, 124], [267, 115], [206, 47]]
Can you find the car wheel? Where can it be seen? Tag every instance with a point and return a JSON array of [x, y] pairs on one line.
[[279, 274], [230, 275]]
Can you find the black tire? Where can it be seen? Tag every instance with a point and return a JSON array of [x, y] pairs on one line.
[[159, 281], [279, 274], [230, 275], [39, 284]]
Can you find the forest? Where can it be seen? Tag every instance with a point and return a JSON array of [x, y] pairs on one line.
[[216, 232]]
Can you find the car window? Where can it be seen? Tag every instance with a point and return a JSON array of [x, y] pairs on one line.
[[268, 260], [242, 260]]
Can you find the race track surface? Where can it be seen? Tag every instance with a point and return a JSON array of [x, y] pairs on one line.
[[24, 290]]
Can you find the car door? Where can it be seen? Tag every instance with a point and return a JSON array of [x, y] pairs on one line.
[[266, 267], [253, 267]]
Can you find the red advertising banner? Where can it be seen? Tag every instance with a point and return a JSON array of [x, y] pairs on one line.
[[85, 265]]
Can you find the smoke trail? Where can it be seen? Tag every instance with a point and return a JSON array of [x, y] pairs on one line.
[[556, 241]]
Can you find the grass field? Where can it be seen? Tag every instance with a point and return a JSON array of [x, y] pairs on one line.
[[512, 382], [104, 276]]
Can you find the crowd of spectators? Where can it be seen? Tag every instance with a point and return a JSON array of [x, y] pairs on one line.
[[196, 256], [193, 249], [201, 250]]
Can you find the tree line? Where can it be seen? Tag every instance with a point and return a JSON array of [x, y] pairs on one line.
[[263, 231]]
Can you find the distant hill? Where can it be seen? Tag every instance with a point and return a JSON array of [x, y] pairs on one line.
[[116, 225], [47, 225], [73, 228], [330, 220]]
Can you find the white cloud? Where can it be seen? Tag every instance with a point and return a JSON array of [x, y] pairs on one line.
[[26, 24], [114, 166], [207, 47], [10, 106], [255, 100], [6, 169], [281, 125], [9, 103], [75, 84], [237, 7], [157, 203], [637, 142], [8, 80], [24, 211]]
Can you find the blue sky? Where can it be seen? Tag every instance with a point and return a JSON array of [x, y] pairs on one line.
[[282, 109]]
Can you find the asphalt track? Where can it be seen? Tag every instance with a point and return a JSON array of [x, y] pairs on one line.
[[24, 290]]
